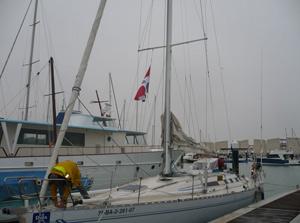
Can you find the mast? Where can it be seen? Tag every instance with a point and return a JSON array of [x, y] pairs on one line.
[[75, 92], [53, 100], [116, 104], [109, 89], [154, 120], [167, 169], [99, 103], [30, 61], [124, 110]]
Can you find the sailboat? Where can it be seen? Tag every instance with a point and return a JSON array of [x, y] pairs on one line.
[[90, 141], [175, 197]]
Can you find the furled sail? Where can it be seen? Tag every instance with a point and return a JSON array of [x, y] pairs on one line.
[[178, 138]]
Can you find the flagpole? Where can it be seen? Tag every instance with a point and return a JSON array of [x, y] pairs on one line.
[[136, 116]]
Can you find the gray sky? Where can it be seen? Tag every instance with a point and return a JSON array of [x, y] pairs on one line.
[[253, 36]]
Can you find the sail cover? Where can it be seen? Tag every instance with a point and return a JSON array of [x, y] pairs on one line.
[[178, 138]]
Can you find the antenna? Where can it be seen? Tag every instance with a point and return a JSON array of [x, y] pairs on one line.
[[261, 106]]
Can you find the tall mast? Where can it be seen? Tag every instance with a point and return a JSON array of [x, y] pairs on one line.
[[30, 61], [53, 101], [154, 120], [75, 92], [124, 110], [109, 89], [167, 169], [115, 99]]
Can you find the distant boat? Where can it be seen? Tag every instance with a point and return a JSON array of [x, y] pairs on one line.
[[244, 155], [191, 157], [280, 157]]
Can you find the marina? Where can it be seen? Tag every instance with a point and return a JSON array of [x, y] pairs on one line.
[[108, 164]]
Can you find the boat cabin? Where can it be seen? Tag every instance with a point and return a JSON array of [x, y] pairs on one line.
[[20, 138]]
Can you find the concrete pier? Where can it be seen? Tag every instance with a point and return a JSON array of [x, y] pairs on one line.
[[284, 208]]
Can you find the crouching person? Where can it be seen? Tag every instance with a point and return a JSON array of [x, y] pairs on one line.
[[63, 177]]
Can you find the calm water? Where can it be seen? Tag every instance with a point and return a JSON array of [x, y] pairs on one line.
[[278, 179]]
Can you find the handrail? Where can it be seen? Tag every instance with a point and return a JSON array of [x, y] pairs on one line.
[[66, 150], [21, 186], [21, 181]]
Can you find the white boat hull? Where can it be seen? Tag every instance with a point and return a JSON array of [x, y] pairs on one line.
[[177, 211], [125, 167]]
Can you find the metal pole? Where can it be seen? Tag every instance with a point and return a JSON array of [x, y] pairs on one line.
[[113, 90], [75, 92], [124, 110], [140, 185], [99, 102], [154, 120], [53, 100], [30, 61], [193, 181], [167, 170]]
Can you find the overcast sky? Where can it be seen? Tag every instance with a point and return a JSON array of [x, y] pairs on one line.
[[257, 38]]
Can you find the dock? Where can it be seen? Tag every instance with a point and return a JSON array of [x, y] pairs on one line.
[[284, 208]]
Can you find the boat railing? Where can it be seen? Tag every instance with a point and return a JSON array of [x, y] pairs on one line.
[[27, 189], [65, 151], [24, 188]]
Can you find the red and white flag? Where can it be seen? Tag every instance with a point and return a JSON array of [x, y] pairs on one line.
[[144, 88]]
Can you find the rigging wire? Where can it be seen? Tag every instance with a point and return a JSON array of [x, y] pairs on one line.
[[3, 98], [147, 103], [15, 40], [144, 38], [149, 25], [9, 54], [189, 72], [221, 73], [58, 75], [135, 80], [46, 29], [186, 119], [33, 79], [208, 79], [115, 142]]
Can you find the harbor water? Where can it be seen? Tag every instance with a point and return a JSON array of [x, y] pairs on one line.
[[277, 179]]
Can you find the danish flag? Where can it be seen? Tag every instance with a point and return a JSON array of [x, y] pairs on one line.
[[144, 88]]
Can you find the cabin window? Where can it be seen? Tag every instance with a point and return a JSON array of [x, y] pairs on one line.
[[42, 137], [29, 138], [33, 137], [130, 140], [140, 139], [273, 156], [135, 139], [73, 139]]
